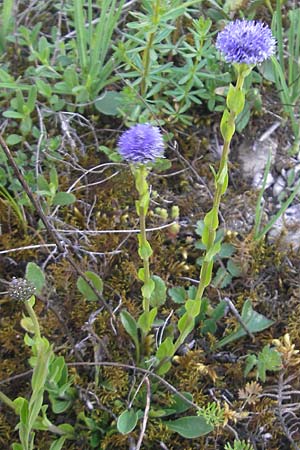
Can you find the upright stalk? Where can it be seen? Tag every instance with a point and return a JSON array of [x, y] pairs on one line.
[[235, 104], [34, 319], [221, 181], [147, 51], [145, 250]]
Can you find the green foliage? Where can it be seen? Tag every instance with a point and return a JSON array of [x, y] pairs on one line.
[[93, 44], [127, 421], [49, 191], [35, 275], [149, 56], [190, 427], [285, 71], [163, 354], [228, 269], [159, 294], [59, 386], [269, 359], [238, 445], [21, 108], [131, 327], [29, 410], [213, 413], [6, 21], [86, 290], [254, 322]]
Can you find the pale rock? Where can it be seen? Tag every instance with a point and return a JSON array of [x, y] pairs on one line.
[[279, 186], [286, 231]]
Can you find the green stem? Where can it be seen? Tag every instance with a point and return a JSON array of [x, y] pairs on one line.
[[7, 401], [145, 259], [34, 319], [206, 266], [147, 51]]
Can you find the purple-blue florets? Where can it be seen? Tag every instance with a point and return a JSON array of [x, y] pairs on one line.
[[141, 143], [246, 42]]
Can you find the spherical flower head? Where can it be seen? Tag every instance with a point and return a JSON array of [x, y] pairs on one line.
[[246, 42], [141, 143], [21, 289]]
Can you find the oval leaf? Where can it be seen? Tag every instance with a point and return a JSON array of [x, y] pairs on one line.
[[190, 427], [63, 199], [86, 290], [35, 275], [127, 421]]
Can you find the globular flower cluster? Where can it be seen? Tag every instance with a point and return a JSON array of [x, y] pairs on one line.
[[141, 143], [21, 289], [246, 42]]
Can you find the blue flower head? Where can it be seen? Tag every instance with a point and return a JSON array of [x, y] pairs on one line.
[[141, 143], [246, 42]]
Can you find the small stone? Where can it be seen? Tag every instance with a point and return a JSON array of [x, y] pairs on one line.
[[286, 231], [253, 158], [258, 181], [279, 186]]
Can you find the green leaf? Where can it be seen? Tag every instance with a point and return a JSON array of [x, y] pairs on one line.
[[234, 270], [35, 275], [145, 250], [177, 294], [58, 443], [235, 100], [60, 406], [251, 361], [214, 250], [54, 178], [148, 288], [226, 250], [127, 421], [43, 184], [86, 290], [208, 274], [146, 320], [109, 103], [111, 154], [227, 126], [14, 139], [161, 165], [56, 369], [130, 326], [185, 325], [27, 324], [165, 350], [158, 295], [192, 307], [254, 321], [211, 219], [222, 278], [13, 114], [63, 199], [190, 427], [268, 359]]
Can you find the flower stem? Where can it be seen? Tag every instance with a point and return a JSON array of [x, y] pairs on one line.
[[146, 265], [220, 190], [145, 250], [34, 319]]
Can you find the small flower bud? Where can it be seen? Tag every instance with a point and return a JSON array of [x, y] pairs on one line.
[[162, 212], [21, 289], [175, 212]]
